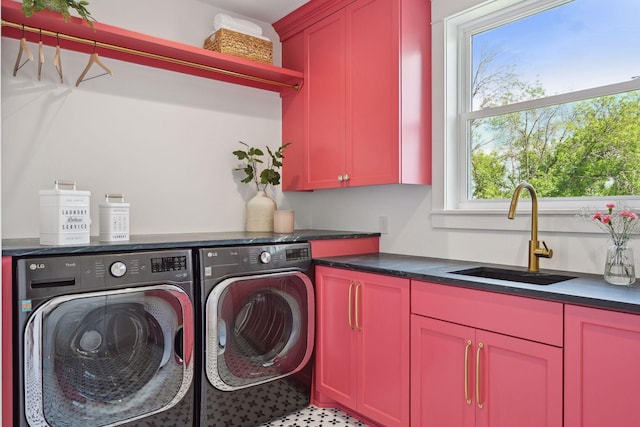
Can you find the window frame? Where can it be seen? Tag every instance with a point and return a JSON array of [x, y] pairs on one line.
[[452, 108]]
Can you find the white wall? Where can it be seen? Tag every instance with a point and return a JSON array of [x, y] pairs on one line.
[[411, 232], [165, 141]]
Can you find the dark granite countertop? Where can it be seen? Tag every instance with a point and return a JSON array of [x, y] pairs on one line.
[[584, 289], [32, 247]]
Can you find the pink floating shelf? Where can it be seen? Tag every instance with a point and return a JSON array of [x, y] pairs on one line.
[[138, 48]]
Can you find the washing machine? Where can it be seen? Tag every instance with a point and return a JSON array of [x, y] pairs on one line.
[[257, 314], [105, 339]]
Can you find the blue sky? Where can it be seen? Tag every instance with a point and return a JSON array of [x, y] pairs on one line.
[[580, 44]]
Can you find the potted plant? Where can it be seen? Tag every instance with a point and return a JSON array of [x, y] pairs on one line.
[[29, 7], [259, 215]]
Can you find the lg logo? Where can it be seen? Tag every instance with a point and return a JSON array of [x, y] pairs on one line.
[[36, 266]]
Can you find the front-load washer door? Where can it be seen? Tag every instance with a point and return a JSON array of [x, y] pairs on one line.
[[106, 358], [258, 329]]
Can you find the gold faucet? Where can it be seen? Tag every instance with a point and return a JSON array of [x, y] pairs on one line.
[[535, 251]]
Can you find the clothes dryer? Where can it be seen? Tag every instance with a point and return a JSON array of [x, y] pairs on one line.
[[105, 339], [257, 316]]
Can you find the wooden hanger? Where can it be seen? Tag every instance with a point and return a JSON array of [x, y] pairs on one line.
[[40, 56], [23, 48], [57, 59], [93, 59]]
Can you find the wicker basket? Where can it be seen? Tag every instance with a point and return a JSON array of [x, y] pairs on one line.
[[242, 45]]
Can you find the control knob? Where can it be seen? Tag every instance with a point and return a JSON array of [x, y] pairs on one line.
[[265, 257], [118, 269]]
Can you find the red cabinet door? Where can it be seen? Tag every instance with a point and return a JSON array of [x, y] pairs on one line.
[[382, 304], [335, 338], [362, 348], [372, 148], [519, 382], [442, 373], [602, 372], [325, 134]]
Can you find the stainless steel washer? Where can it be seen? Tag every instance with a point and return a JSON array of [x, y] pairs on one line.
[[105, 339]]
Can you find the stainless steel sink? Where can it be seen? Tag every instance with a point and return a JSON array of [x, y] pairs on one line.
[[534, 278]]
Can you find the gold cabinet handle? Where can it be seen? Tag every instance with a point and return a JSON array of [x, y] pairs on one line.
[[478, 399], [351, 304], [466, 372], [358, 326]]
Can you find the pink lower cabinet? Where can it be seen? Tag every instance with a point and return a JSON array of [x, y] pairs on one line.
[[7, 337], [484, 359], [362, 346], [602, 368]]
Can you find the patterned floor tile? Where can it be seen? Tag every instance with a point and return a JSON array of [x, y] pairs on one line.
[[313, 416]]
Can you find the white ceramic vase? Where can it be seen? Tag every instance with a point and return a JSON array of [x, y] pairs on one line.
[[260, 213]]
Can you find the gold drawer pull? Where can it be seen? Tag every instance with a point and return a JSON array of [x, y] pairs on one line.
[[351, 304], [358, 326], [466, 372], [478, 399]]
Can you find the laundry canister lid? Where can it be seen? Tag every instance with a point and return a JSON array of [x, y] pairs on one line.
[[114, 218]]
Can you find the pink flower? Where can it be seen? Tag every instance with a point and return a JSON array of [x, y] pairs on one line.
[[621, 223], [629, 214]]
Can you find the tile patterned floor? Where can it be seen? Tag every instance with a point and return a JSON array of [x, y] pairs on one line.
[[313, 416]]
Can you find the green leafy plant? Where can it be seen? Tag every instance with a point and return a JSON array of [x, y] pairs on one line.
[[252, 158], [29, 7]]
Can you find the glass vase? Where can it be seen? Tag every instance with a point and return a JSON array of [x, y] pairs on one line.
[[619, 268]]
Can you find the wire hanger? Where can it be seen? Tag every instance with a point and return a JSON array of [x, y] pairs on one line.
[[23, 48], [94, 58], [57, 59], [40, 56]]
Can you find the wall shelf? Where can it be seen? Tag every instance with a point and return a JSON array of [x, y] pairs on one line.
[[138, 48]]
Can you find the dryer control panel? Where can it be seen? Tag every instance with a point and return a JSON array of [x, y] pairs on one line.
[[224, 261]]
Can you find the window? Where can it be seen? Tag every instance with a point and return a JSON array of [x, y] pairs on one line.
[[547, 92]]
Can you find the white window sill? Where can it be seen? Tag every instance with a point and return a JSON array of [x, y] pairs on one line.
[[557, 221]]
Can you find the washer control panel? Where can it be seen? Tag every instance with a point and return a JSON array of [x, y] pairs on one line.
[[45, 276]]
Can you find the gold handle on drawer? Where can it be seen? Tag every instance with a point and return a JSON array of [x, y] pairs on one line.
[[351, 283], [358, 326], [478, 399], [466, 372]]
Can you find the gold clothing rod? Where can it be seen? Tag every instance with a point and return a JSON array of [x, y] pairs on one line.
[[147, 54]]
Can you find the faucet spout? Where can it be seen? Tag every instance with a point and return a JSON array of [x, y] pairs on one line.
[[535, 250]]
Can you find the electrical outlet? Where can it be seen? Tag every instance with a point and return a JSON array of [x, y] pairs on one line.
[[384, 224]]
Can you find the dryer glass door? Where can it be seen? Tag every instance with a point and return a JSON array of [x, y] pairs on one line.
[[106, 357], [259, 328]]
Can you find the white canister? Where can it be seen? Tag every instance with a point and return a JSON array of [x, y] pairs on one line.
[[114, 219], [64, 215]]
